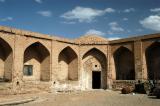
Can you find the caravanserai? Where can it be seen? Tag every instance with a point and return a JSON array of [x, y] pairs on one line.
[[31, 60]]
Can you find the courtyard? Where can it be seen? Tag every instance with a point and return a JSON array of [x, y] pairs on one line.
[[84, 98]]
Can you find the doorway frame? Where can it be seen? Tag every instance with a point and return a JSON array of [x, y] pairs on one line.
[[100, 82]]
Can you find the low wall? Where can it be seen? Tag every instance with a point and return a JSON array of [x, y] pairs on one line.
[[66, 86], [5, 88], [35, 86], [119, 84]]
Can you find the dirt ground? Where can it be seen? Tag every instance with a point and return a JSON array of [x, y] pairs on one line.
[[93, 98]]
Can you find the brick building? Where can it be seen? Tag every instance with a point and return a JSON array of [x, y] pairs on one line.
[[33, 60]]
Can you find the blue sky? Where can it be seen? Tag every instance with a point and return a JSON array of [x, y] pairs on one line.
[[73, 18]]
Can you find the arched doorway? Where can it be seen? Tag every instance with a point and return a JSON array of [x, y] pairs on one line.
[[153, 61], [36, 63], [124, 64], [6, 60], [94, 70], [68, 65]]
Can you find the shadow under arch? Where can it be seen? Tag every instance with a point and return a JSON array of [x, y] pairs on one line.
[[6, 61], [68, 64], [124, 64], [152, 54], [38, 56]]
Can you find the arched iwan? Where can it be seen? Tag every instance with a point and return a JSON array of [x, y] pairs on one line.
[[6, 60], [94, 70], [153, 61], [36, 62], [68, 65], [124, 64]]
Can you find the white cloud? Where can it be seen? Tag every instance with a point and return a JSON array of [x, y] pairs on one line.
[[69, 22], [155, 10], [152, 22], [114, 38], [114, 28], [109, 10], [84, 14], [129, 10], [2, 0], [125, 19], [38, 1], [93, 31], [6, 19], [45, 13]]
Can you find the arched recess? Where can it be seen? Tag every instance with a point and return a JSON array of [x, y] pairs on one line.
[[94, 69], [6, 61], [153, 61], [124, 64], [37, 62], [68, 65]]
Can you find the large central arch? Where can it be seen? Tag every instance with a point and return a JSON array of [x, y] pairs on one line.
[[94, 66], [124, 64], [37, 60], [153, 61]]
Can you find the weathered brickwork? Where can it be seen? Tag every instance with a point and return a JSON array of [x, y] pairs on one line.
[[31, 61]]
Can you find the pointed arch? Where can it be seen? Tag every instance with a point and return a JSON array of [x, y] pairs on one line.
[[153, 61], [68, 64], [93, 50], [124, 64], [6, 60], [37, 59], [94, 61]]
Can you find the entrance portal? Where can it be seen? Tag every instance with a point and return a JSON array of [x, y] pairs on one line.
[[94, 70], [96, 79]]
